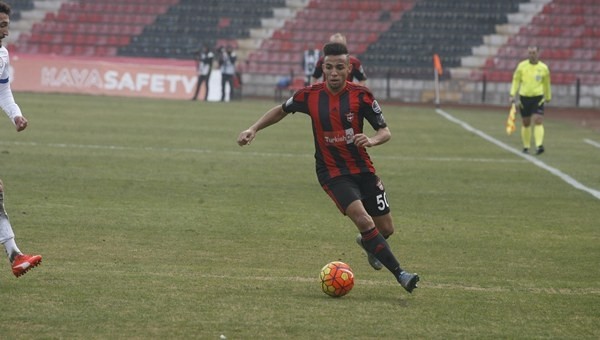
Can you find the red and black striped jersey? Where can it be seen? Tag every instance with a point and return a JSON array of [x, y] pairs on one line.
[[335, 121]]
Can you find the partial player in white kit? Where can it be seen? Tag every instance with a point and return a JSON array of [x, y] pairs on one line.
[[21, 263]]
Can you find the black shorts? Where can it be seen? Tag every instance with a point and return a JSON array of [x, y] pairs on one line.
[[366, 187], [531, 105]]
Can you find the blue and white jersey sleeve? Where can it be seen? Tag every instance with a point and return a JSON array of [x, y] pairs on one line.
[[7, 101]]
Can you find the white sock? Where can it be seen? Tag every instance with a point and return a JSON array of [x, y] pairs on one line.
[[7, 238], [11, 249]]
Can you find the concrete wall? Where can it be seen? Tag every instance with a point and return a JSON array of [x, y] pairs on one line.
[[451, 91]]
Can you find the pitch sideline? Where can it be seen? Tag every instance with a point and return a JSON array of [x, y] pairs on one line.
[[568, 179], [430, 285], [592, 143], [247, 152]]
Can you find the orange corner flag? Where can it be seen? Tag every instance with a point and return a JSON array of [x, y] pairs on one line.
[[510, 122], [437, 64]]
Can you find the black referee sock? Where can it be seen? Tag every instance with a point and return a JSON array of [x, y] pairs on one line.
[[376, 244]]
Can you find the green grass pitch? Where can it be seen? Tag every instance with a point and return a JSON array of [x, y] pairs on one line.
[[153, 223]]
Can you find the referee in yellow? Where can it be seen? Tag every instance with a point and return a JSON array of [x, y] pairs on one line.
[[532, 80]]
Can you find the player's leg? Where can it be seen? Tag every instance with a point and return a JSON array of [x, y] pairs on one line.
[[377, 206], [374, 243], [538, 126], [231, 87], [198, 83], [376, 203], [372, 240], [344, 190], [207, 81], [7, 236], [384, 224], [20, 263], [223, 83], [525, 111]]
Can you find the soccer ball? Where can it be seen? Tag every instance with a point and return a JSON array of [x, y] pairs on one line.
[[337, 279]]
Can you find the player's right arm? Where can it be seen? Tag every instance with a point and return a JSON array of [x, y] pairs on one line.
[[7, 101], [546, 85], [271, 117], [516, 82], [12, 110]]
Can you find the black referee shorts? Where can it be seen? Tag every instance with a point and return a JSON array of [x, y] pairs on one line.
[[531, 105], [366, 187]]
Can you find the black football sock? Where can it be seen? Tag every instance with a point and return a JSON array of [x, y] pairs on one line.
[[376, 244]]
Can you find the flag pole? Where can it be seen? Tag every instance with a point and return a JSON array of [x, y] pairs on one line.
[[437, 71], [436, 79]]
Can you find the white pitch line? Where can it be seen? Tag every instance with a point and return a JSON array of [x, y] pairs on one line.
[[592, 143], [568, 179], [248, 152], [422, 285]]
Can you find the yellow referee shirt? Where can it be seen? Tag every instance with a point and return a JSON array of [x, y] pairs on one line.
[[531, 80]]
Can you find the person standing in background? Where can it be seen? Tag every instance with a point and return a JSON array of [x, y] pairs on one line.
[[204, 63], [21, 263], [309, 61], [532, 81], [227, 59]]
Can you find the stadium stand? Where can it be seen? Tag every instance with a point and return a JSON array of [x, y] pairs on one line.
[[187, 25], [90, 28], [18, 6], [568, 35], [449, 28], [360, 21], [477, 40]]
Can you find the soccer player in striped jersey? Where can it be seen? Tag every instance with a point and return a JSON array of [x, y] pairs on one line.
[[338, 110], [21, 263]]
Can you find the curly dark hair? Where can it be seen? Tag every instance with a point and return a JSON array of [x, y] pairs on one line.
[[4, 8]]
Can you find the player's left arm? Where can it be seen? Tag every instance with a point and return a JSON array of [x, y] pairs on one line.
[[374, 115], [7, 102], [12, 110], [383, 135], [547, 86]]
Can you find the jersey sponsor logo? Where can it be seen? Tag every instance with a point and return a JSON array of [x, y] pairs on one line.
[[339, 137], [376, 108], [349, 117], [289, 102], [379, 114], [381, 120], [379, 184]]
